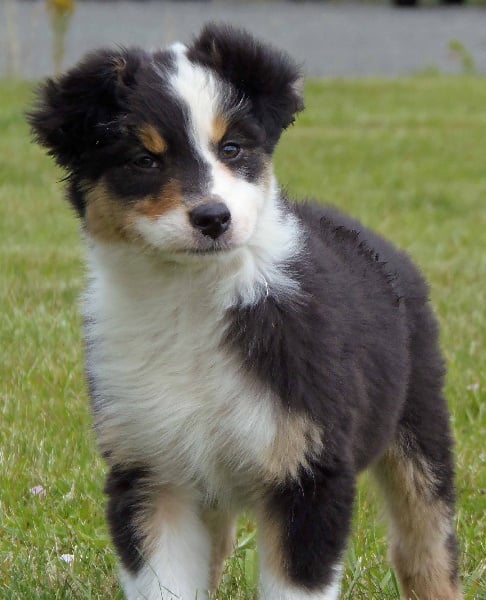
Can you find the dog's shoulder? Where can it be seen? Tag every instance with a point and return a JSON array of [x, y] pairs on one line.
[[357, 250]]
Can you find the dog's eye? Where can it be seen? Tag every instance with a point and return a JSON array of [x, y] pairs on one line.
[[145, 161], [229, 151]]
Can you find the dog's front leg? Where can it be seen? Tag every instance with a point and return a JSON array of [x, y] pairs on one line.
[[163, 544], [222, 527], [303, 533]]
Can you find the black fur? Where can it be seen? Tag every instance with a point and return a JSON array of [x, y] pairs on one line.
[[315, 513], [363, 340], [126, 490], [80, 110], [88, 118], [268, 78], [346, 336]]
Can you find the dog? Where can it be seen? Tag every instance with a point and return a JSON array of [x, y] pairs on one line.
[[243, 351]]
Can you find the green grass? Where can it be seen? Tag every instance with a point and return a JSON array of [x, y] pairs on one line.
[[408, 157]]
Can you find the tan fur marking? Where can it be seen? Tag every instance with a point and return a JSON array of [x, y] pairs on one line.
[[152, 140], [220, 125], [270, 536], [420, 525], [297, 439], [223, 535], [420, 588], [169, 198], [110, 219], [164, 509], [105, 216]]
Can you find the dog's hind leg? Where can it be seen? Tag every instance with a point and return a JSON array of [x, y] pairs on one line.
[[419, 497], [416, 473], [162, 541]]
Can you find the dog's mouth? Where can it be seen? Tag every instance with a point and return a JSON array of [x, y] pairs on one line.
[[202, 255], [204, 246], [212, 250]]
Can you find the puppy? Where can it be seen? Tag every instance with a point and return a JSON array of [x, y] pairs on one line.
[[242, 351]]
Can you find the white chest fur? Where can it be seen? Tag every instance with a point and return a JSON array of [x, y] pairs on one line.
[[168, 395]]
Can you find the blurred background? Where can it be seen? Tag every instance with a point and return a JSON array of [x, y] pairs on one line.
[[330, 38]]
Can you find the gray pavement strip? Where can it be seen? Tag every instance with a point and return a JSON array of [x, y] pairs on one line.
[[329, 39]]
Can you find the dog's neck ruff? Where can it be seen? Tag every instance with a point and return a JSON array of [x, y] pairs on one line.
[[239, 277]]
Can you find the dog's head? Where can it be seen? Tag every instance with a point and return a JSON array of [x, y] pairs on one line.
[[172, 148]]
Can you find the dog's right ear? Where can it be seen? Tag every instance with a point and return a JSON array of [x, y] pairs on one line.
[[75, 112]]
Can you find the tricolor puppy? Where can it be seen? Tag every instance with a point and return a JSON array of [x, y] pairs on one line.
[[243, 351]]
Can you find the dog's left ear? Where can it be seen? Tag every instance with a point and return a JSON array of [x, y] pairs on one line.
[[266, 76]]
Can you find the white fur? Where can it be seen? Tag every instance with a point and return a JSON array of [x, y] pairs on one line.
[[179, 567], [171, 232], [273, 588], [200, 90], [263, 235], [241, 274], [168, 395], [256, 220], [171, 397]]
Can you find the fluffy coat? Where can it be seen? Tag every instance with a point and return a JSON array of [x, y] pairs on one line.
[[243, 351]]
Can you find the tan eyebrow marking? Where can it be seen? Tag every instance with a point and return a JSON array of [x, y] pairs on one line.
[[151, 139], [219, 128]]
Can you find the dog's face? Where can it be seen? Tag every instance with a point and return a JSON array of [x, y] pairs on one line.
[[171, 149]]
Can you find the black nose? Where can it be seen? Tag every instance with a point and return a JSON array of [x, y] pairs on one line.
[[211, 219]]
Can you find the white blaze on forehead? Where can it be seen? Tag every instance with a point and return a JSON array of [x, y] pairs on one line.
[[198, 89], [177, 48]]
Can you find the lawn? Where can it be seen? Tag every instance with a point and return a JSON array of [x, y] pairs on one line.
[[408, 157]]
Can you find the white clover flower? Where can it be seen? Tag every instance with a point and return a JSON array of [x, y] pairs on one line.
[[38, 490]]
